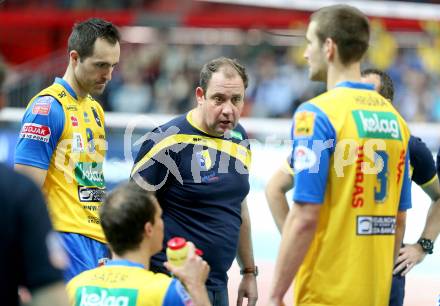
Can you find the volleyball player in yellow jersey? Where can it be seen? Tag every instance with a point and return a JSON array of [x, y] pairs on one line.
[[351, 177], [62, 143], [133, 225]]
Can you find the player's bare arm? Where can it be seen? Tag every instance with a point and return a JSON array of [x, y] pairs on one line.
[[412, 254], [298, 233], [276, 189]]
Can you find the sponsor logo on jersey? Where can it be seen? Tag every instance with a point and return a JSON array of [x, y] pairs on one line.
[[42, 106], [97, 119], [210, 178], [72, 108], [89, 174], [204, 159], [62, 94], [376, 225], [383, 125], [304, 158], [90, 141], [93, 296], [304, 124], [35, 132], [77, 143], [74, 120], [90, 194], [236, 135], [103, 261], [86, 117]]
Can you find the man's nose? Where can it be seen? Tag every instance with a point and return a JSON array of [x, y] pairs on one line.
[[108, 74], [228, 108]]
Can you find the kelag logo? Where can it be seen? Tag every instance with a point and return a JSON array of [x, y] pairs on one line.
[[383, 125], [89, 174], [92, 296]]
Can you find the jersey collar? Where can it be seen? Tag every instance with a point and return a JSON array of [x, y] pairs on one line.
[[356, 85], [191, 121], [66, 85], [124, 262]]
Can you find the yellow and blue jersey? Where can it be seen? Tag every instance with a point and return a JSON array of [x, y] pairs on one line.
[[121, 282], [65, 135], [201, 182], [350, 156], [422, 165]]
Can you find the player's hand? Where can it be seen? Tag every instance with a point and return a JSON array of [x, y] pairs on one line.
[[194, 271], [248, 289], [409, 256]]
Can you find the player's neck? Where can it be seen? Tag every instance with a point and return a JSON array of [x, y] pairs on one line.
[[338, 73], [69, 77], [196, 119], [138, 256]]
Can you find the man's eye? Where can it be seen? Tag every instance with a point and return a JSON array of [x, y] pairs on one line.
[[236, 100]]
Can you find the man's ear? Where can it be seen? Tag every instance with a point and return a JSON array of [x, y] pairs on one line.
[[74, 57], [330, 49], [148, 229], [200, 95]]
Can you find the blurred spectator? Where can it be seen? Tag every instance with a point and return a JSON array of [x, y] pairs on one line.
[[134, 95], [158, 78], [273, 96], [435, 110], [413, 104]]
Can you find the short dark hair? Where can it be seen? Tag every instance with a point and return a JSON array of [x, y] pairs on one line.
[[124, 214], [386, 88], [84, 34], [214, 65], [347, 26]]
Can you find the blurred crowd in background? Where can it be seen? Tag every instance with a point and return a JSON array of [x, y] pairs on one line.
[[162, 79], [159, 74]]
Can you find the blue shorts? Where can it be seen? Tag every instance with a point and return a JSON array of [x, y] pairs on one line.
[[219, 297], [83, 252], [397, 290]]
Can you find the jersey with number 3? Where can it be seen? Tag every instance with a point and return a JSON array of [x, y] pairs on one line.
[[350, 156]]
